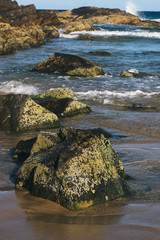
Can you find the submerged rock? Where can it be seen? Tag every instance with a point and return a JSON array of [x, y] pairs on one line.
[[75, 168], [85, 37], [134, 73], [101, 53], [20, 112], [60, 102], [68, 64]]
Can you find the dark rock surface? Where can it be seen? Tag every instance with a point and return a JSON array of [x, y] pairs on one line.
[[61, 102], [68, 64]]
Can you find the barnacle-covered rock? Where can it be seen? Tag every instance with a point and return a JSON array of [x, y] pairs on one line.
[[79, 170]]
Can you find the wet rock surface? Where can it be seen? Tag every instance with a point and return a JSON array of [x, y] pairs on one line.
[[21, 113], [68, 64], [75, 168], [61, 102]]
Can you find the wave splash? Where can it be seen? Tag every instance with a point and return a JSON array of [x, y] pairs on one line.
[[18, 88], [137, 33], [135, 98], [131, 8]]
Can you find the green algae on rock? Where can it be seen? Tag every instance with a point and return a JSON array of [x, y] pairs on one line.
[[58, 93], [69, 64], [79, 170], [125, 73], [20, 113], [60, 102], [134, 73]]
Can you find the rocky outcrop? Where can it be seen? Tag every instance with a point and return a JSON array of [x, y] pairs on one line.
[[93, 15], [21, 113], [14, 38], [68, 64], [49, 21], [75, 168], [7, 5], [21, 16], [60, 102], [24, 27]]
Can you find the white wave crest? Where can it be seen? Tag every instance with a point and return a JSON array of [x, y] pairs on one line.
[[156, 19], [107, 96], [131, 8], [106, 33], [18, 88], [133, 70]]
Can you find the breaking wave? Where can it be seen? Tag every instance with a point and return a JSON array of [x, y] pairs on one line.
[[127, 98], [18, 88], [106, 33]]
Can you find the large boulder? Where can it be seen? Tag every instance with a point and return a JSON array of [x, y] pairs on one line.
[[68, 64], [20, 113], [60, 102], [75, 168]]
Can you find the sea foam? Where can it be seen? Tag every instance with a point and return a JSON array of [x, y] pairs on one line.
[[18, 88], [106, 33], [110, 96]]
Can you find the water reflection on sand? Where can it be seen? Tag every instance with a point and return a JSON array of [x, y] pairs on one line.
[[26, 217]]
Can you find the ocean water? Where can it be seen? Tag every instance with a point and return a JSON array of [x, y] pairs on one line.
[[129, 108]]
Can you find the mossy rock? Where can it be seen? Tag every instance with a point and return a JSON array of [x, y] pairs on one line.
[[126, 74], [69, 64], [57, 93], [79, 170], [65, 107], [134, 73], [21, 113], [60, 102]]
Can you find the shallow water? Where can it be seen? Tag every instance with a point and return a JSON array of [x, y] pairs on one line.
[[129, 108]]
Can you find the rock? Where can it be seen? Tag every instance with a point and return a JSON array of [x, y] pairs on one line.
[[50, 31], [100, 53], [73, 26], [85, 37], [77, 169], [69, 64], [7, 5], [13, 38], [60, 102], [126, 74], [134, 73], [59, 93], [20, 113], [93, 15], [65, 107]]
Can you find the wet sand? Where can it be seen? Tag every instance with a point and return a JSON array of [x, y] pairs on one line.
[[24, 217]]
